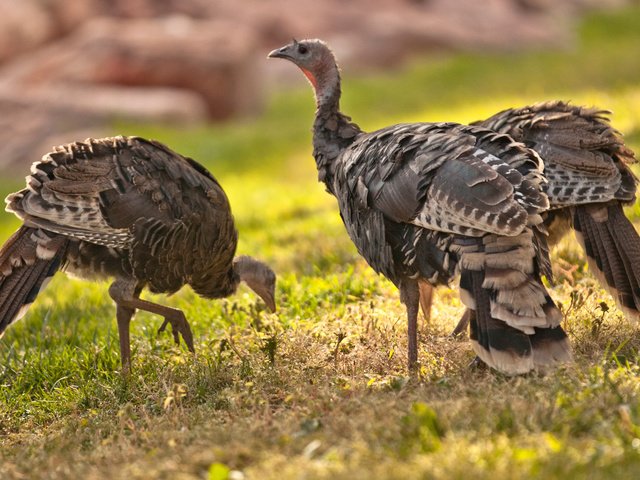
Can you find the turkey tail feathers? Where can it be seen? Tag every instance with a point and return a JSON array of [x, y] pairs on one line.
[[500, 346], [514, 324], [550, 346], [612, 246], [27, 261]]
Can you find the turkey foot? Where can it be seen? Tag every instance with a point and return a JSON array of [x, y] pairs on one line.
[[125, 292], [179, 326], [462, 325], [476, 364]]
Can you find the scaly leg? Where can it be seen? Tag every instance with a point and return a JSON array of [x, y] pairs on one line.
[[410, 296], [123, 316], [462, 324]]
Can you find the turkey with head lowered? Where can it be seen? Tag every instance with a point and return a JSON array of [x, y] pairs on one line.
[[129, 209]]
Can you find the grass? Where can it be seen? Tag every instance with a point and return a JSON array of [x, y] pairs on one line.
[[319, 390]]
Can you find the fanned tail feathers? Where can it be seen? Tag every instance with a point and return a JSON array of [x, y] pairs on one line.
[[612, 246], [27, 260]]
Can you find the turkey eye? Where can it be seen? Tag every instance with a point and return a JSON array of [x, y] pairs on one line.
[[302, 49]]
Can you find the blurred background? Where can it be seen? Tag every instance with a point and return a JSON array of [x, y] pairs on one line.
[[68, 70]]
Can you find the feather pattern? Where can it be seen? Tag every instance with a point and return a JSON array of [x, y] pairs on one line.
[[141, 199], [27, 261], [587, 167], [585, 159], [440, 180]]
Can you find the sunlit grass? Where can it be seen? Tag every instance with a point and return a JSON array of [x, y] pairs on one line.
[[319, 390]]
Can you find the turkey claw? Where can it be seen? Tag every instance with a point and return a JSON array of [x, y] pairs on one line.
[[179, 326]]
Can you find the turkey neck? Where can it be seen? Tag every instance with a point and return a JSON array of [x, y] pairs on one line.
[[332, 130]]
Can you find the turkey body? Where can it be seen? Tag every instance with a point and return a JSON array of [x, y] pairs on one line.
[[426, 200], [124, 208]]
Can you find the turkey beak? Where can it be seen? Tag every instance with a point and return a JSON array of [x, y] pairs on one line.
[[268, 296], [280, 53], [266, 291], [271, 303]]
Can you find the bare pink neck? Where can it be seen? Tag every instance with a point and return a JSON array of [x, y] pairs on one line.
[[326, 84], [332, 131]]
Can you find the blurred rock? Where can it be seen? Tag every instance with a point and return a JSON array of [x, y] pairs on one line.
[[23, 26], [27, 130], [59, 114], [173, 69], [213, 59]]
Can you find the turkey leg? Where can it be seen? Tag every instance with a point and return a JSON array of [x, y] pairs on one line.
[[410, 296], [462, 324], [123, 316], [126, 295]]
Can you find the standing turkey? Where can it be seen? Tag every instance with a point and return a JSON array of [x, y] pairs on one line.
[[127, 208], [589, 181], [422, 201]]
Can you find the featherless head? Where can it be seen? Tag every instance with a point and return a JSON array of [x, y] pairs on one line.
[[258, 276], [312, 56]]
